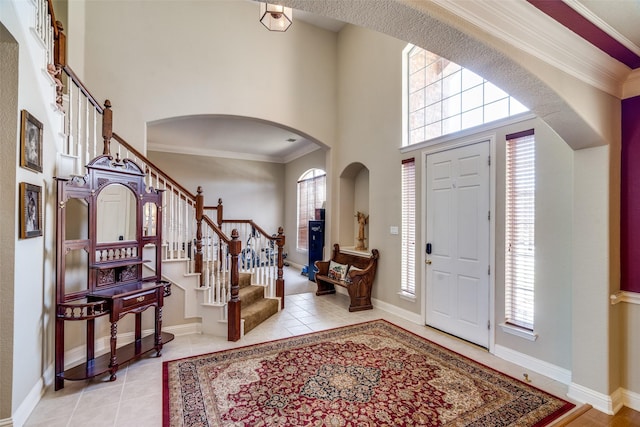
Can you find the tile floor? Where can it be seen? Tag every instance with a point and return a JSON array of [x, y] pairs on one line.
[[135, 398]]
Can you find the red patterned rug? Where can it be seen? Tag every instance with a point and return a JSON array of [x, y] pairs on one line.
[[369, 374]]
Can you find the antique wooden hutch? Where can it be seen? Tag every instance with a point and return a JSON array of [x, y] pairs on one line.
[[105, 220]]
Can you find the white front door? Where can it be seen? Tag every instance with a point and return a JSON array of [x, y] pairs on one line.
[[458, 226]]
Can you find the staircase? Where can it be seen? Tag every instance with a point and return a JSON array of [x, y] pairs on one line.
[[200, 253], [255, 307]]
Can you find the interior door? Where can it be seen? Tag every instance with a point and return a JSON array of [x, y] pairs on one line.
[[458, 227]]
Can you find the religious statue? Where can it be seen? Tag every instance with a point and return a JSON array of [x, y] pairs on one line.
[[362, 221]]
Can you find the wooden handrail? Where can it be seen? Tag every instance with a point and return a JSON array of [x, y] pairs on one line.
[[165, 176], [253, 224], [217, 230], [83, 88]]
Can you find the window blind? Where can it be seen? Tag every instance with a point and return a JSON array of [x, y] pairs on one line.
[[520, 229], [311, 196], [408, 284]]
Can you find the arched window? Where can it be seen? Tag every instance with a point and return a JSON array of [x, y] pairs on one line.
[[441, 97], [311, 196]]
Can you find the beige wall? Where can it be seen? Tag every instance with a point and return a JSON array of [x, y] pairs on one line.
[[248, 189], [197, 57], [8, 159]]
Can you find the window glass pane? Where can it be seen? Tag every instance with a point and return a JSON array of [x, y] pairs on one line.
[[516, 107], [416, 119], [416, 81], [472, 98], [451, 85], [493, 93], [470, 79], [472, 118], [433, 72], [452, 124], [449, 67], [417, 58], [496, 110], [451, 106], [416, 136], [433, 93], [433, 113], [431, 57], [432, 131], [416, 100]]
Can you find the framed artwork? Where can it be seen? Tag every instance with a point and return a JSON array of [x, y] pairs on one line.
[[30, 142], [30, 210]]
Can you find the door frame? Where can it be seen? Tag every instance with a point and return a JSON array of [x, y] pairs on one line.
[[449, 145]]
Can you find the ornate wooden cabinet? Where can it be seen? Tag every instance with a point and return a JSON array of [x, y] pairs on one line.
[[105, 220]]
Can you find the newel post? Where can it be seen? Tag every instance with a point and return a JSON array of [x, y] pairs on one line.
[[59, 46], [280, 279], [233, 306], [219, 212], [199, 214], [107, 127]]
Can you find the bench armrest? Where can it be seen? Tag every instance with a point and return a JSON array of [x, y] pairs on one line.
[[322, 267]]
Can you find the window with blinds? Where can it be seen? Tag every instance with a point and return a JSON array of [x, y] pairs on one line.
[[520, 229], [408, 283], [311, 196]]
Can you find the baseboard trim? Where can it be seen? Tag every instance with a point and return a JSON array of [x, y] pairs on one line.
[[6, 422], [27, 406], [599, 401], [405, 314], [631, 400], [540, 366]]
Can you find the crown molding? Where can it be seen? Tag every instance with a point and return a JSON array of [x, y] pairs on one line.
[[595, 20], [230, 154], [519, 24]]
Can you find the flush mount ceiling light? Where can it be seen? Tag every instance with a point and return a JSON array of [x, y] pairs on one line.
[[275, 17]]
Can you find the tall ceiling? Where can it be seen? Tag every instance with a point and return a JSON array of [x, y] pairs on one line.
[[612, 26]]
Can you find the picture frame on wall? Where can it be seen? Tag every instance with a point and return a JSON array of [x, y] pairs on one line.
[[30, 142], [30, 210]]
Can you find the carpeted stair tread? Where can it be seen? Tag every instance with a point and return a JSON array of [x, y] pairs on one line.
[[258, 312], [244, 280], [250, 294]]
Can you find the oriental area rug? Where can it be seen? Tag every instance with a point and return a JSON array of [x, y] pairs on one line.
[[368, 374]]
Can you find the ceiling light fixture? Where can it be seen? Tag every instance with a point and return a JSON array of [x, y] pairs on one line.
[[275, 17]]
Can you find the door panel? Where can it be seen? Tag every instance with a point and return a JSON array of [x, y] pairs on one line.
[[457, 223]]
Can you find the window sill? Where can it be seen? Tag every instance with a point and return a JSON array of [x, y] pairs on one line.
[[519, 332], [407, 296]]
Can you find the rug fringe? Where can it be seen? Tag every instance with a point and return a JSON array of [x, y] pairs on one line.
[[571, 416]]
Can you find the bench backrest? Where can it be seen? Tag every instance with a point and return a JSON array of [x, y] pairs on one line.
[[355, 260]]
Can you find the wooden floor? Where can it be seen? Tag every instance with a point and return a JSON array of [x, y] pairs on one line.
[[594, 418]]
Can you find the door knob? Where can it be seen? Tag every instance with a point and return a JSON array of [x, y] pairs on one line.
[[428, 262]]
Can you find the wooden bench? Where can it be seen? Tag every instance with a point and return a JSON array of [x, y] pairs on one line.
[[357, 281]]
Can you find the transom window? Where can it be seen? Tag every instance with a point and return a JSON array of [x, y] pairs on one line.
[[443, 97]]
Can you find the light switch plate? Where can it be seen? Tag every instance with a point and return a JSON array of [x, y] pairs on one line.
[[393, 229]]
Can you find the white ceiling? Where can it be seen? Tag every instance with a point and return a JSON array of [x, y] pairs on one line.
[[236, 137]]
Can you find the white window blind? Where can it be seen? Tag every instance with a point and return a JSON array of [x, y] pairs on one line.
[[520, 229], [408, 282], [311, 196]]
